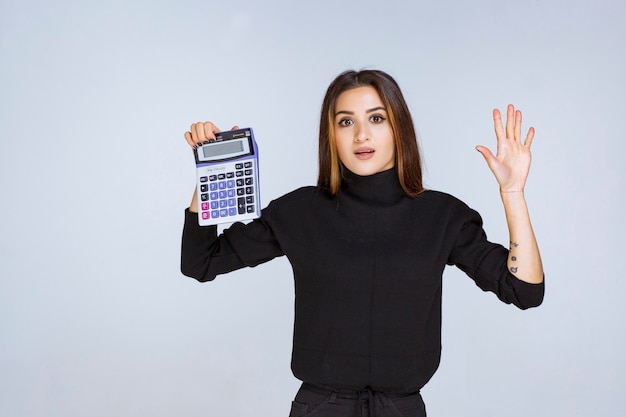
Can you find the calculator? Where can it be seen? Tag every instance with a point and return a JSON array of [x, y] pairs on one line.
[[227, 171]]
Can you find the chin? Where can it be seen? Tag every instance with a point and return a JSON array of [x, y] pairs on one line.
[[366, 171]]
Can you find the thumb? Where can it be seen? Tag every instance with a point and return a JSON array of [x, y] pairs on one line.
[[486, 153]]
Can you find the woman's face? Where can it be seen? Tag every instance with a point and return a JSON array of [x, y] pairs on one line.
[[365, 143]]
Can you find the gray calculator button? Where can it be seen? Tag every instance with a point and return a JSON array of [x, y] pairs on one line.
[[241, 205]]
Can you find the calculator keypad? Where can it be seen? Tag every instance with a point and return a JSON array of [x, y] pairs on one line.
[[228, 194]]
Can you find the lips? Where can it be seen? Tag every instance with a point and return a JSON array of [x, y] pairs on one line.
[[364, 153]]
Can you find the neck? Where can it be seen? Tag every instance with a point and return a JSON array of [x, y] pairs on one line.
[[382, 188]]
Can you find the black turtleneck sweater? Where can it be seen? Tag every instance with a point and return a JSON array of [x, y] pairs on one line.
[[367, 265]]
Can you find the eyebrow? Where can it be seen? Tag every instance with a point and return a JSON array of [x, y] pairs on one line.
[[366, 111]]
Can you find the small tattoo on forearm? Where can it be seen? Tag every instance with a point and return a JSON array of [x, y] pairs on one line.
[[514, 258], [514, 269], [514, 244]]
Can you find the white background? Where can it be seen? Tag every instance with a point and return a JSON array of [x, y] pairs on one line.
[[95, 317]]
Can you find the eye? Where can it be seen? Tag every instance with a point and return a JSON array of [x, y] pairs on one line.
[[345, 122], [377, 118]]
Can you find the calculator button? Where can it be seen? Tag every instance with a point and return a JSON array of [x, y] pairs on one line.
[[215, 205], [206, 215], [240, 183], [230, 184], [247, 165], [231, 193], [249, 181], [230, 174], [238, 166], [224, 213], [215, 214], [250, 199], [239, 173], [241, 191], [250, 209], [204, 197], [232, 202], [212, 177], [222, 194], [221, 176], [249, 190], [203, 179], [241, 205], [205, 206], [213, 196], [223, 204], [204, 188], [221, 185], [248, 172], [232, 211], [213, 186]]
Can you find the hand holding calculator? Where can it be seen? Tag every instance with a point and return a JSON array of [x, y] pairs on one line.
[[227, 171]]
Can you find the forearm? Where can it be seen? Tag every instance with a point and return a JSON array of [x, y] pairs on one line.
[[524, 258], [193, 207]]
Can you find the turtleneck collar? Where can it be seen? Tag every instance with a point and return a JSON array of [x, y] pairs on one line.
[[382, 188]]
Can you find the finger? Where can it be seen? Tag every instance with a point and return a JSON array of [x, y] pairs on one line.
[[486, 153], [209, 131], [200, 134], [518, 125], [510, 121], [193, 130], [529, 137], [497, 124], [189, 139], [235, 127], [203, 131]]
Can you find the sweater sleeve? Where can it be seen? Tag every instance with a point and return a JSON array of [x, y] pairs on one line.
[[486, 263], [204, 254]]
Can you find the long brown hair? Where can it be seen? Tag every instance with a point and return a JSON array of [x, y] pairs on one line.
[[407, 156]]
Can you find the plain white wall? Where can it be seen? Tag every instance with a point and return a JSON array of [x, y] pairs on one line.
[[95, 317]]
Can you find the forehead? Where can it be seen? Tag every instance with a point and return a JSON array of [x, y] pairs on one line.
[[359, 98]]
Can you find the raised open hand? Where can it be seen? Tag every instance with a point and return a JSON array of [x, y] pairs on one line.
[[511, 163]]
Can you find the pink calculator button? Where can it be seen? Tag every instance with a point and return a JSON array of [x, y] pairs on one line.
[[206, 215], [205, 206]]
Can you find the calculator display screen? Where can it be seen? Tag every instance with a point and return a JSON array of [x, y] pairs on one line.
[[224, 148]]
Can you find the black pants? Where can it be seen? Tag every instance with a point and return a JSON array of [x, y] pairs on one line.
[[315, 401]]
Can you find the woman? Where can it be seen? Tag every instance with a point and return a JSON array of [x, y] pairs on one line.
[[368, 246]]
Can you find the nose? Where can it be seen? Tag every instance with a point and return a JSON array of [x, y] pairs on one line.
[[361, 134]]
